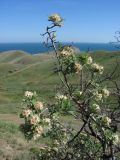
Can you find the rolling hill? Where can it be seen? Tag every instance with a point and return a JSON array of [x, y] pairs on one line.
[[20, 71]]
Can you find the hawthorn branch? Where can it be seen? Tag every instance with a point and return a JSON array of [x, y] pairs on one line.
[[78, 133], [65, 81]]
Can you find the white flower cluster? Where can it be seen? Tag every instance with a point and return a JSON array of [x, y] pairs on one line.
[[29, 94], [115, 139], [47, 120], [77, 67], [55, 18], [32, 115], [38, 105], [105, 92], [67, 51], [34, 120], [37, 132], [26, 113], [106, 120], [95, 108], [61, 97], [77, 94], [97, 68], [98, 96], [89, 60]]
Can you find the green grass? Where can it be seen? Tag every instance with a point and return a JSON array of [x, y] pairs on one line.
[[14, 145], [12, 141], [9, 127], [20, 72]]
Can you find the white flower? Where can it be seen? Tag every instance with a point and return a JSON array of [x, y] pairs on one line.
[[38, 105], [67, 51], [47, 120], [39, 130], [77, 67], [83, 134], [56, 142], [95, 108], [36, 136], [42, 148], [115, 138], [34, 120], [65, 98], [95, 84], [98, 96], [80, 93], [77, 93], [28, 94], [26, 113], [105, 92], [55, 149], [89, 60], [106, 120], [55, 18], [70, 49], [64, 142], [97, 68], [61, 97]]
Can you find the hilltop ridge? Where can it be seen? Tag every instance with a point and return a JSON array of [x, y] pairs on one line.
[[20, 71]]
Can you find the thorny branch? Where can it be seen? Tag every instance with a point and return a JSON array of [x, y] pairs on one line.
[[89, 129]]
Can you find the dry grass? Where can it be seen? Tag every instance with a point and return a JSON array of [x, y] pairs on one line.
[[13, 145]]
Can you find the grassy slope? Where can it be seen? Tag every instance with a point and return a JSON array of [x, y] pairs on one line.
[[20, 72], [16, 77], [35, 73]]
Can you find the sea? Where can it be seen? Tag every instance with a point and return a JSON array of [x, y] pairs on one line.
[[35, 48]]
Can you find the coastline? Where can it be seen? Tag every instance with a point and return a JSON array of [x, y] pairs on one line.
[[35, 48]]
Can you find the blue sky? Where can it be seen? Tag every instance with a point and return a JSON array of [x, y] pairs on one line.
[[85, 20]]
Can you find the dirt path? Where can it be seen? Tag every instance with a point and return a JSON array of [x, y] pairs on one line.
[[23, 69], [11, 118]]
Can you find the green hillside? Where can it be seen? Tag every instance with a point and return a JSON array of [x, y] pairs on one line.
[[20, 71]]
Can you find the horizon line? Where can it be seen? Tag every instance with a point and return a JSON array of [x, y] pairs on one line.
[[58, 42]]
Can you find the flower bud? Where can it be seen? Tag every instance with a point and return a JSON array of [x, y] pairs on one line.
[[55, 149], [105, 92], [95, 108], [36, 136], [115, 139], [106, 120], [34, 120], [97, 68], [66, 51], [61, 97], [77, 67], [26, 113], [38, 105], [39, 130], [77, 94], [89, 60], [55, 18], [28, 94], [47, 120]]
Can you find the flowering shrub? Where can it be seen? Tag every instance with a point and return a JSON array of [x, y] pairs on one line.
[[36, 121], [96, 136]]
